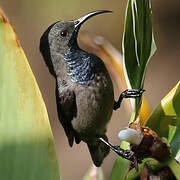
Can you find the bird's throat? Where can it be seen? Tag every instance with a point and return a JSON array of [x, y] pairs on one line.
[[80, 67]]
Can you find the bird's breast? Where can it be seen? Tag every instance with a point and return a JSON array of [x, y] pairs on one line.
[[95, 101]]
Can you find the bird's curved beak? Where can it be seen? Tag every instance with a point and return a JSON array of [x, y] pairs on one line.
[[84, 18]]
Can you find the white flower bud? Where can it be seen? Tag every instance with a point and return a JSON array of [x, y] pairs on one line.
[[130, 135]]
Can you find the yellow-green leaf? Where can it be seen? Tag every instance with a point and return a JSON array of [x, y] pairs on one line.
[[165, 121], [27, 149]]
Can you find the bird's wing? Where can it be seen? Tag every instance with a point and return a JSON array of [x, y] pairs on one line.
[[67, 110]]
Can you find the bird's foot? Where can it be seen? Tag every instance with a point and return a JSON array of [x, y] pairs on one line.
[[132, 93], [129, 93], [127, 154]]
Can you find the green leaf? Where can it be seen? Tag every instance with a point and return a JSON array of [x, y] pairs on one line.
[[138, 48], [120, 169], [27, 149], [165, 121], [175, 168], [138, 45]]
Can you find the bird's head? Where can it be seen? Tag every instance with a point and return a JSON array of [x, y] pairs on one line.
[[62, 35]]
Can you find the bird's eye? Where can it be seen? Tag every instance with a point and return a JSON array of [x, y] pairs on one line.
[[64, 33]]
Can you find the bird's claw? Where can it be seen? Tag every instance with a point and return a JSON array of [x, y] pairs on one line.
[[129, 93], [132, 93], [127, 154], [134, 164]]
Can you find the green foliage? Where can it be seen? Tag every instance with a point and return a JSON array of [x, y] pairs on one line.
[[138, 45], [27, 149], [138, 48], [165, 120]]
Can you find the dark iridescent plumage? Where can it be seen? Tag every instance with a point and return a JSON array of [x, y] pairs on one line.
[[82, 66]]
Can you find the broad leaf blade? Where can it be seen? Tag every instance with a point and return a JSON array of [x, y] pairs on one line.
[[175, 168], [138, 44], [27, 149], [165, 119]]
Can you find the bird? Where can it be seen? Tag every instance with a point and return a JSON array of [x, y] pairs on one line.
[[84, 89]]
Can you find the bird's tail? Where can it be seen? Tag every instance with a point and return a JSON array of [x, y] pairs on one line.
[[98, 150]]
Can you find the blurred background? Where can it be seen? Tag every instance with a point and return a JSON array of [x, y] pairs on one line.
[[31, 18]]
